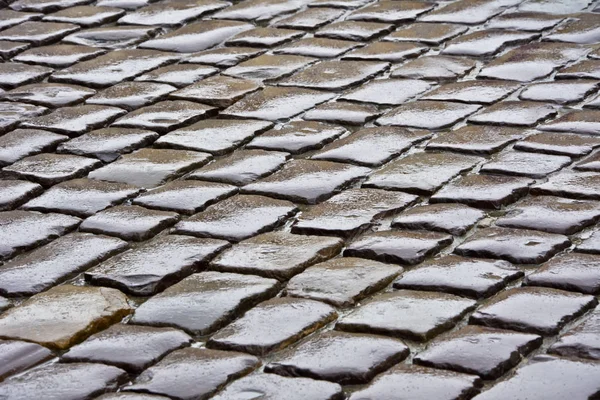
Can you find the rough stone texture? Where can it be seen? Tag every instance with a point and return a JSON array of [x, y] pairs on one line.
[[582, 341], [572, 271], [17, 356], [455, 219]]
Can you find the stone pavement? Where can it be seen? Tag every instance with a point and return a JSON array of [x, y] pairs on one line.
[[299, 199]]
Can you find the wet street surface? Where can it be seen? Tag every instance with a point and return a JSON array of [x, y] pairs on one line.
[[299, 199]]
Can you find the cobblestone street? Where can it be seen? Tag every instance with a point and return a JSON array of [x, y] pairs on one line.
[[299, 199]]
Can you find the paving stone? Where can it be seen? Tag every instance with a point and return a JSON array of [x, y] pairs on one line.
[[586, 69], [4, 304], [386, 51], [114, 67], [593, 103], [54, 263], [238, 218], [260, 10], [130, 395], [554, 6], [197, 36], [354, 30], [75, 120], [273, 325], [272, 386], [434, 68], [389, 11], [519, 113], [178, 75], [26, 142], [125, 4], [474, 278], [590, 163], [215, 136], [113, 37], [12, 114], [585, 122], [242, 167], [533, 309], [521, 163], [342, 112], [9, 49], [185, 197], [86, 15], [129, 222], [577, 185], [48, 169], [400, 247], [307, 181], [109, 143], [351, 212], [68, 382], [154, 266], [269, 67], [277, 255], [13, 74], [10, 18], [129, 347], [342, 282], [203, 303], [59, 55], [525, 21], [486, 42], [310, 18], [131, 95], [519, 246], [264, 37], [325, 357], [14, 193], [317, 47], [567, 144], [582, 29], [559, 92], [171, 12], [218, 91], [347, 4], [590, 244], [455, 219], [482, 351], [193, 373], [150, 167], [38, 33], [414, 381], [552, 214], [468, 11], [573, 271], [297, 137], [64, 315], [432, 34], [421, 173], [387, 91], [81, 197], [334, 74], [18, 356], [223, 56], [476, 139], [580, 342], [49, 94], [427, 114], [276, 103], [483, 92], [45, 5]]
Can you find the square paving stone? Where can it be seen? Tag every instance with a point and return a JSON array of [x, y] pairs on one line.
[[582, 185], [242, 167], [586, 122], [434, 68], [276, 103], [476, 139], [325, 357], [268, 67], [520, 163], [215, 136], [586, 69], [264, 37], [401, 247], [86, 15], [307, 181], [431, 34], [131, 95], [192, 373], [482, 351], [218, 91], [278, 255], [351, 212], [387, 91], [342, 282], [109, 143], [590, 163], [82, 197], [468, 11], [574, 145], [155, 265], [185, 197], [165, 115], [386, 51], [519, 246], [297, 137], [427, 114], [486, 42], [48, 169], [150, 167], [273, 325], [56, 262], [223, 56], [538, 310], [18, 356], [74, 121], [112, 37], [179, 75], [525, 21], [237, 218], [129, 222], [171, 12], [559, 92], [484, 92], [552, 214], [59, 55], [581, 341], [38, 33], [455, 219], [519, 113], [334, 75], [343, 112], [421, 173], [474, 278], [389, 11], [260, 10], [26, 142], [203, 303], [483, 191], [65, 382], [14, 193], [49, 94], [582, 29], [13, 74], [64, 315], [408, 314], [573, 271], [414, 381], [310, 18], [353, 30], [317, 47], [129, 347]]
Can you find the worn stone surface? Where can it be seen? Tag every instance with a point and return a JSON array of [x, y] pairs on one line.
[[268, 67], [219, 91], [590, 244], [131, 95], [317, 47], [520, 163], [59, 55], [49, 94], [179, 75], [572, 271], [432, 34], [455, 219], [483, 92], [334, 75], [20, 143], [434, 68], [486, 42], [14, 192], [17, 356], [577, 185], [427, 114], [582, 341], [519, 113], [559, 143], [354, 30], [386, 51], [297, 137], [342, 112], [562, 92]]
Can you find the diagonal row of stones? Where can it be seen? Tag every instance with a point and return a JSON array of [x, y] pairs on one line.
[[300, 199]]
